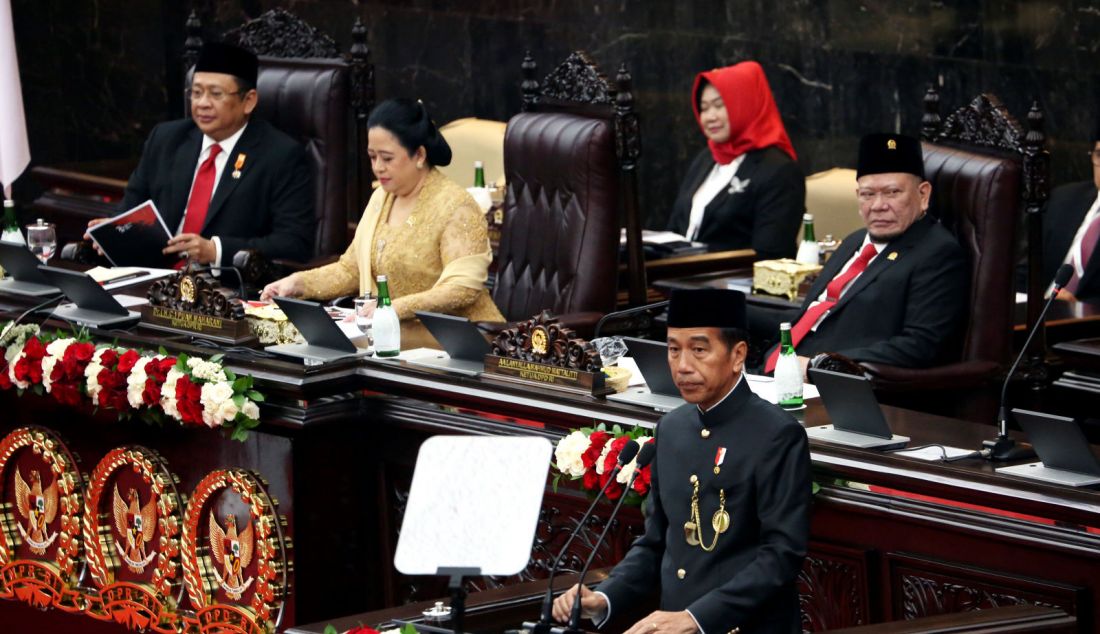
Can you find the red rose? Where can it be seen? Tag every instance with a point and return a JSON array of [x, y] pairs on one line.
[[187, 401], [642, 481], [591, 480], [5, 380], [596, 441], [67, 393], [108, 358], [34, 349], [362, 629], [81, 351], [150, 396], [127, 361]]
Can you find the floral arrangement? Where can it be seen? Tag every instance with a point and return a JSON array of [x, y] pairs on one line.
[[589, 455], [73, 370]]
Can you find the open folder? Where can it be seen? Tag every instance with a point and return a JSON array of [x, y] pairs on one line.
[[135, 238]]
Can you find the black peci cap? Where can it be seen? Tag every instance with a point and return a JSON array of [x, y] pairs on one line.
[[707, 308], [219, 57], [882, 153]]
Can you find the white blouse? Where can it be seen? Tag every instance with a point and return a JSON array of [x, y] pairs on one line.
[[718, 179]]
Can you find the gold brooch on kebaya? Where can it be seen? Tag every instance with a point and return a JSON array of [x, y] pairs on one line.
[[238, 165]]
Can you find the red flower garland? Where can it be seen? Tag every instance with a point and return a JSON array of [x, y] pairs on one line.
[[28, 368], [67, 378], [188, 403]]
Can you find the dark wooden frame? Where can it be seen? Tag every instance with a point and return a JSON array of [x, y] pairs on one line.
[[578, 85]]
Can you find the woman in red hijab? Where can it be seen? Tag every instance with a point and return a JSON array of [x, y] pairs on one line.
[[745, 189]]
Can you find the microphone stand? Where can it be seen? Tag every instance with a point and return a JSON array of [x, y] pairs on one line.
[[543, 625], [575, 615], [1003, 448]]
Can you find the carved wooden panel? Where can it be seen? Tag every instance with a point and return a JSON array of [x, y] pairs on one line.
[[277, 33], [833, 589], [579, 80], [984, 122], [925, 587]]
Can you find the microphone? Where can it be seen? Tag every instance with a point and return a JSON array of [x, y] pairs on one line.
[[625, 313], [627, 454], [645, 456], [1003, 448]]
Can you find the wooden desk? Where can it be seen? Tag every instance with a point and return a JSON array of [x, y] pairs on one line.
[[891, 537]]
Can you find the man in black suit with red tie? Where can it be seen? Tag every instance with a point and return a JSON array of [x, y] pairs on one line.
[[895, 292], [1071, 228], [222, 180]]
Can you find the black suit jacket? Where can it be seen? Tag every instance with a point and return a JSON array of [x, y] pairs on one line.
[[766, 216], [748, 581], [1065, 211], [269, 208], [907, 309]]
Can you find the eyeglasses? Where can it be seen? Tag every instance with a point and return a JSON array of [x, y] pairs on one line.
[[216, 94], [1095, 156]]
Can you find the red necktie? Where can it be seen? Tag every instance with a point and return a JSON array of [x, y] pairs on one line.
[[832, 296], [1088, 245], [199, 202]]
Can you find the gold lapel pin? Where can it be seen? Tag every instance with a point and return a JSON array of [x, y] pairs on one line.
[[893, 256], [238, 165]]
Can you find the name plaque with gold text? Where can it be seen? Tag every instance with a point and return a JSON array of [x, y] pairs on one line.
[[542, 352], [196, 304]]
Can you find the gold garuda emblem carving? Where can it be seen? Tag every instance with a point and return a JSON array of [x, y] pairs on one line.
[[38, 508], [136, 524], [233, 552]]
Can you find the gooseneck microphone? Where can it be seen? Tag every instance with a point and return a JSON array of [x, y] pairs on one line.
[[645, 456], [1003, 448], [543, 626]]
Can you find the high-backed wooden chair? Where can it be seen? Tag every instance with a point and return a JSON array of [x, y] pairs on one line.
[[569, 162], [985, 170], [320, 97]]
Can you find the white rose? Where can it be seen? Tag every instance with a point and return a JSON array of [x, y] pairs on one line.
[[135, 382], [48, 364], [168, 393], [214, 394], [603, 456], [57, 347], [250, 410], [227, 411], [567, 454], [91, 375]]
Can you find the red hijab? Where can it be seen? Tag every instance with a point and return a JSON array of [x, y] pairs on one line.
[[754, 120]]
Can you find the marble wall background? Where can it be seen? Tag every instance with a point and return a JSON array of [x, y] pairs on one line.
[[96, 74]]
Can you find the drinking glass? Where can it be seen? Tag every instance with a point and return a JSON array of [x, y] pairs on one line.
[[42, 240], [364, 312]]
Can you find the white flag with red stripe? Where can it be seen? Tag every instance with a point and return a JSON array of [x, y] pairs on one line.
[[15, 153]]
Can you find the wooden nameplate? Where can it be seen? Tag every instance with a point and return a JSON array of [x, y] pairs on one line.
[[220, 329], [544, 375]]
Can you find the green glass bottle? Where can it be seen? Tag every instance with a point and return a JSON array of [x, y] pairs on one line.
[[479, 174], [809, 251], [10, 222], [386, 326], [788, 373]]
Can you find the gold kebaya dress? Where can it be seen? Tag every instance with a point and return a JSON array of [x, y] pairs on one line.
[[438, 260]]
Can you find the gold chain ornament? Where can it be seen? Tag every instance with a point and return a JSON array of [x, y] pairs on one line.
[[720, 521]]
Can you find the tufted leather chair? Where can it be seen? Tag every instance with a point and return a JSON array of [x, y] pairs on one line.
[[978, 193], [559, 244], [308, 100]]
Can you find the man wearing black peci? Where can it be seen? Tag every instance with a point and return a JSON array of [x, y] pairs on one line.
[[222, 180], [729, 507], [895, 292]]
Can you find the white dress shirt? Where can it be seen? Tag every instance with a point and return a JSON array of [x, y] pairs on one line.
[[1073, 254], [220, 161], [718, 179], [879, 246]]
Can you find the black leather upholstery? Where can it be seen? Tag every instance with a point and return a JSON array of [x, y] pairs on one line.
[[977, 196], [559, 244]]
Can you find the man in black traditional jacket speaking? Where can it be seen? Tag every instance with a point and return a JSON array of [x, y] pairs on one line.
[[729, 507]]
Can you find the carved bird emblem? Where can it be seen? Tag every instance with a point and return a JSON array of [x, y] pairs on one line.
[[39, 508], [233, 553], [136, 524]]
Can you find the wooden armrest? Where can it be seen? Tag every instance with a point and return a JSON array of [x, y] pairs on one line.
[[953, 376]]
